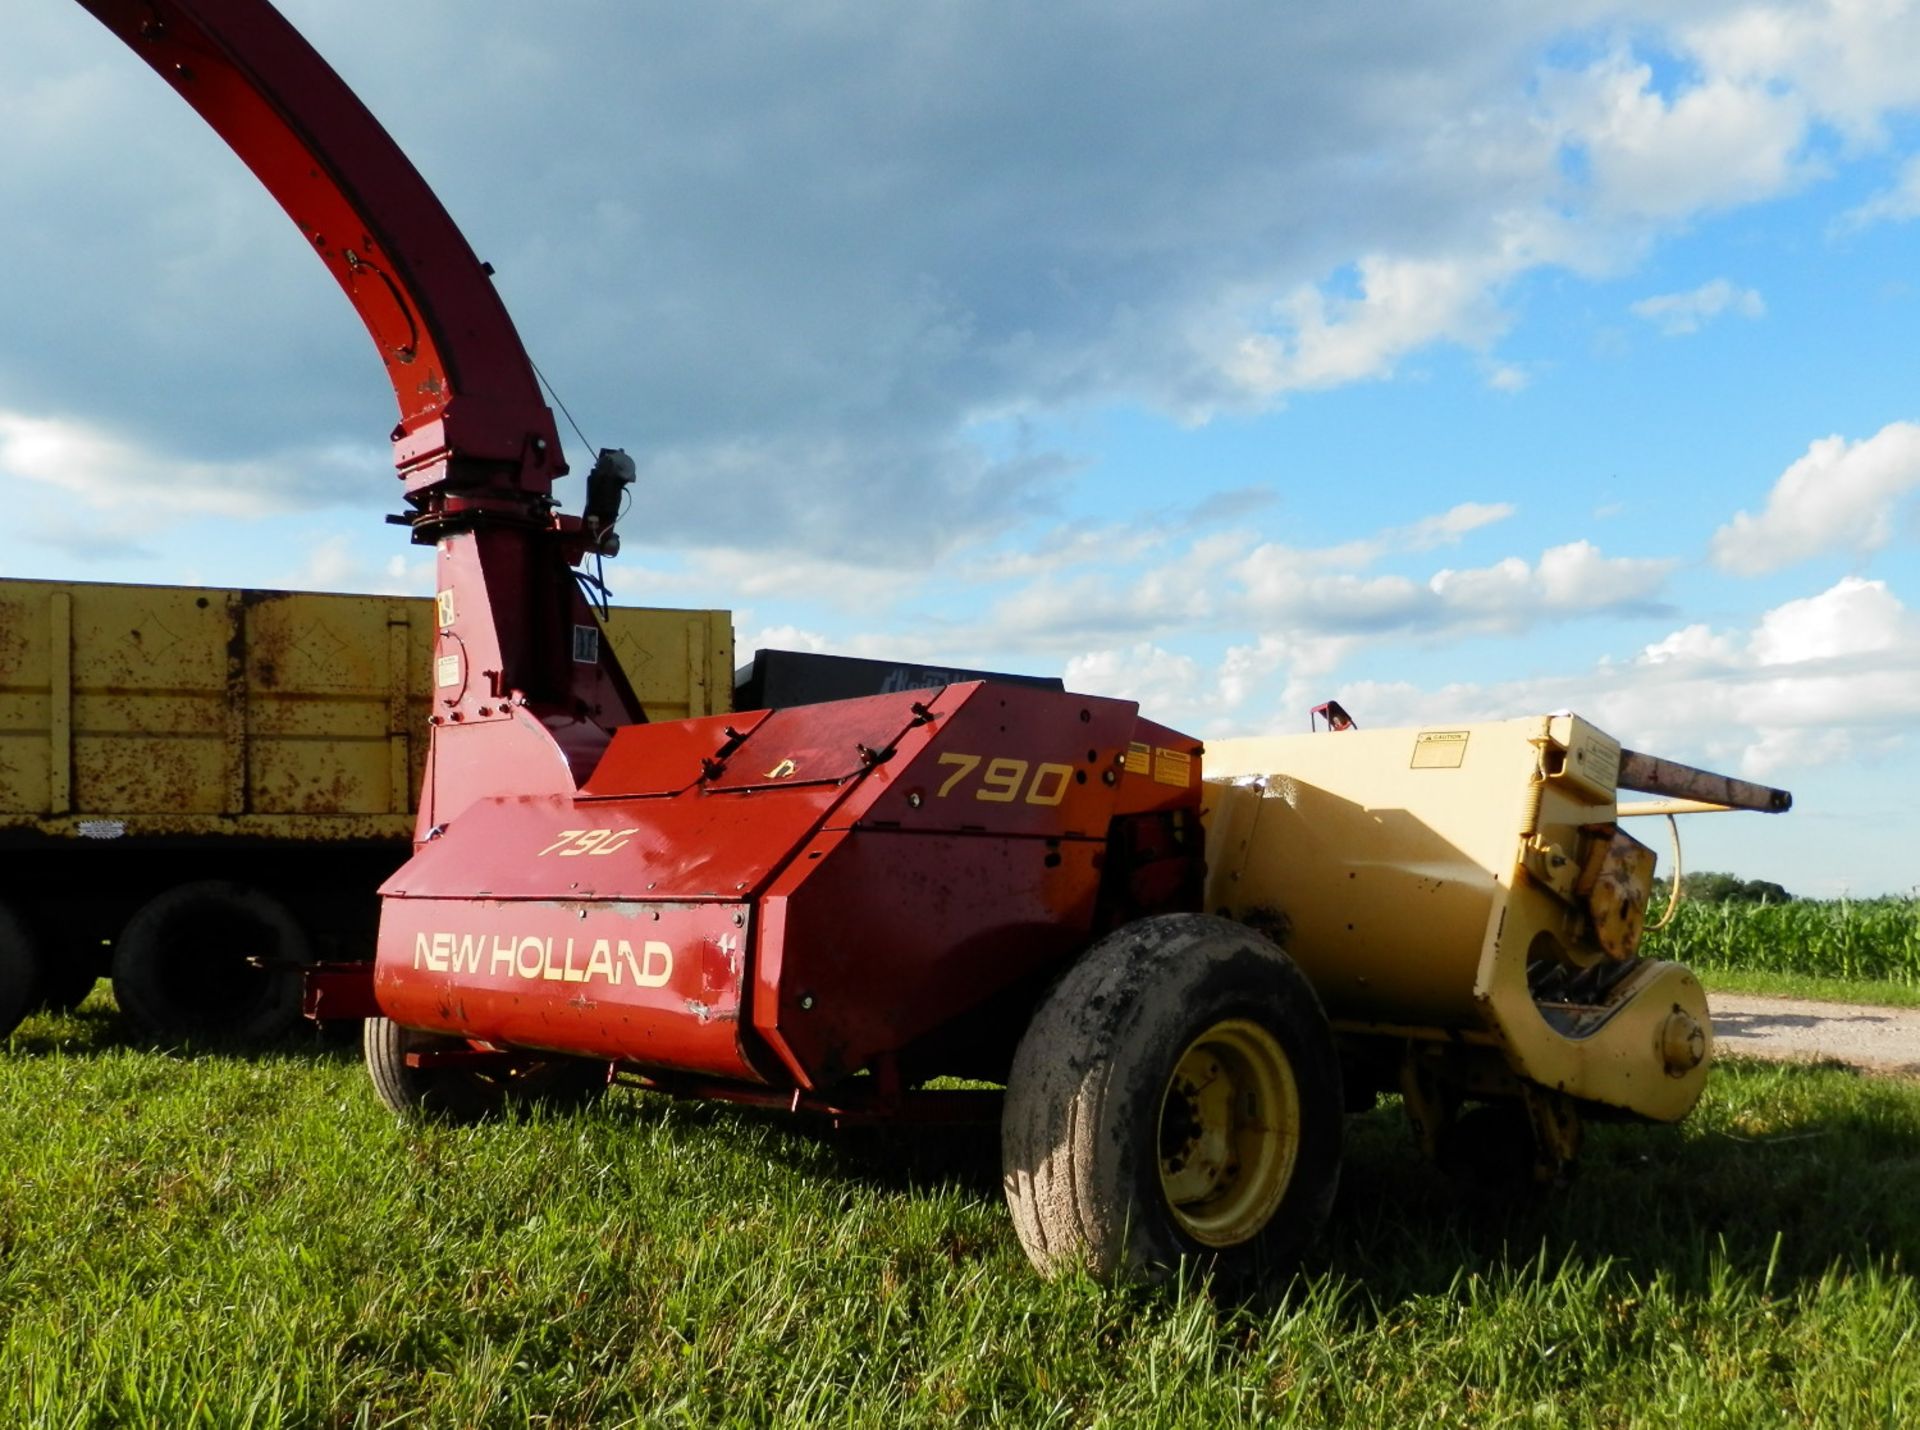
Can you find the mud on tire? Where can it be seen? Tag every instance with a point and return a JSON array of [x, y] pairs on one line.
[[1176, 1098]]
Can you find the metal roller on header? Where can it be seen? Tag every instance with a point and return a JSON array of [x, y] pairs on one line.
[[1174, 988]]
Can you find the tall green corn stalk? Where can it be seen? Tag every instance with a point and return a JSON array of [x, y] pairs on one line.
[[1840, 938]]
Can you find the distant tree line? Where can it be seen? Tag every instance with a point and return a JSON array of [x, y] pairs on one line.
[[1714, 888]]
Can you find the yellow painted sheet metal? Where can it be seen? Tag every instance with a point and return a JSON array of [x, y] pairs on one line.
[[1415, 874], [187, 709]]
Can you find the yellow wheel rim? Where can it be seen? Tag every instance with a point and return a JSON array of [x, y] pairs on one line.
[[1229, 1133]]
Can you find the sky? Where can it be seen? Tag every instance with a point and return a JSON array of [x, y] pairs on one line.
[[1456, 362]]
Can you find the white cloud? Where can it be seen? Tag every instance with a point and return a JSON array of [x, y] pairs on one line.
[[1115, 544], [1854, 617], [1677, 314], [1658, 157], [1273, 681], [1245, 669], [1696, 644], [1579, 577], [1840, 497], [1568, 579], [338, 563], [1275, 574], [109, 473], [1402, 304], [1219, 584], [1167, 686], [1649, 160], [1449, 526], [1281, 586], [1064, 548], [781, 637], [732, 576], [1498, 594], [1268, 684], [887, 645], [1067, 614], [1826, 678], [1013, 240], [1852, 60], [1895, 204]]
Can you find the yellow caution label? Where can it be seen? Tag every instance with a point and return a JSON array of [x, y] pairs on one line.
[[1173, 767], [446, 672], [443, 608], [1439, 750], [1139, 759]]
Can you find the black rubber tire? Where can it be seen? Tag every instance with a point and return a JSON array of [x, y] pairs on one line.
[[65, 987], [67, 976], [20, 961], [453, 1094], [1488, 1153], [213, 959], [1081, 1135]]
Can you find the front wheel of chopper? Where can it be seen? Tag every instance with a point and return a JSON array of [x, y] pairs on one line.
[[416, 1084], [1175, 1101]]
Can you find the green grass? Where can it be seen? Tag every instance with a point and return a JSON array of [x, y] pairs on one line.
[[201, 1239], [1801, 985], [1862, 940]]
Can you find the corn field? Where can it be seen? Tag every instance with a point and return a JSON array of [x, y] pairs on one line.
[[1867, 939]]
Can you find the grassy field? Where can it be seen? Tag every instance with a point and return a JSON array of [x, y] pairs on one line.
[[1863, 950], [205, 1239], [1824, 990]]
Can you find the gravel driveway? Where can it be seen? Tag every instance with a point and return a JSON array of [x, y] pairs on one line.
[[1885, 1040]]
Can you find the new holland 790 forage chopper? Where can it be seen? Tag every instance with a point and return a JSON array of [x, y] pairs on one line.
[[825, 907]]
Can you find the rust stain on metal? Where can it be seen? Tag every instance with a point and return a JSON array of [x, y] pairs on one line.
[[245, 714]]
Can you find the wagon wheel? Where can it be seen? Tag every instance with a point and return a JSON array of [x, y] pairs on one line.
[[1177, 1097], [20, 959], [211, 959], [68, 972], [65, 963], [452, 1093]]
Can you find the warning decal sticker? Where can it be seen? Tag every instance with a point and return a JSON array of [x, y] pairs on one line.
[[1173, 767], [1439, 750], [1139, 759]]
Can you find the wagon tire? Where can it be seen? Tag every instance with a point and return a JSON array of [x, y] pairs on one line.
[[1175, 1101], [20, 962], [455, 1094], [213, 959], [66, 978]]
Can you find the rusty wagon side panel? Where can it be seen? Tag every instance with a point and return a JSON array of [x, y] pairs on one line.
[[184, 711], [152, 736]]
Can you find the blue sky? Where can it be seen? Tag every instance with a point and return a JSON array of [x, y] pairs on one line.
[[1457, 362]]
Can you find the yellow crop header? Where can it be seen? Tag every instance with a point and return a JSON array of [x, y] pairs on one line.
[[1470, 911]]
